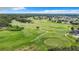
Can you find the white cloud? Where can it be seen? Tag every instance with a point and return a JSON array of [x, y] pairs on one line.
[[12, 8], [18, 8], [62, 11], [5, 8], [57, 12], [40, 12]]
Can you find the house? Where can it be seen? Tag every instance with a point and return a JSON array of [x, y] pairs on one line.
[[74, 32], [3, 25]]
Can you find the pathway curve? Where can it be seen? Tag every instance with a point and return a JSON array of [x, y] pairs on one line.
[[39, 36]]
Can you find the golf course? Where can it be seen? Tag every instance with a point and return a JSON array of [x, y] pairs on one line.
[[49, 35]]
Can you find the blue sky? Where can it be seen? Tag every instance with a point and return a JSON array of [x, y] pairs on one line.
[[52, 8], [39, 10]]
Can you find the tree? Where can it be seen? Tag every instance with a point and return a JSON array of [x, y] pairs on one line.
[[37, 27], [59, 21], [4, 23], [15, 28]]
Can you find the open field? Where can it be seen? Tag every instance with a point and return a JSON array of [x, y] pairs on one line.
[[49, 35]]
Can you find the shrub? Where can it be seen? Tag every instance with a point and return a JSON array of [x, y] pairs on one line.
[[37, 27], [29, 21], [15, 28], [24, 20], [59, 21]]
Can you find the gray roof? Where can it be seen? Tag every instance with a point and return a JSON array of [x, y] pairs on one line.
[[75, 32]]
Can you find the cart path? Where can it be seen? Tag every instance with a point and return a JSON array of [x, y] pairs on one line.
[[40, 36]]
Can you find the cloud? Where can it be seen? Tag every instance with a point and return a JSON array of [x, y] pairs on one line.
[[57, 12], [62, 11], [12, 8], [15, 10], [18, 8], [5, 8]]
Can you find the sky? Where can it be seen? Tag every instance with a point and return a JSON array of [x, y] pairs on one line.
[[45, 10]]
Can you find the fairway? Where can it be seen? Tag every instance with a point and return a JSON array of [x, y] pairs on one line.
[[49, 35]]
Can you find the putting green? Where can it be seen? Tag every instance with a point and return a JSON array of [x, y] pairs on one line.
[[57, 42]]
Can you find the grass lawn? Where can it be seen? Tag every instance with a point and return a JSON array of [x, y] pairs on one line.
[[49, 35]]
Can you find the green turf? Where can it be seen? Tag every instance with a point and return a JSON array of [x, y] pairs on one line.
[[48, 35]]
